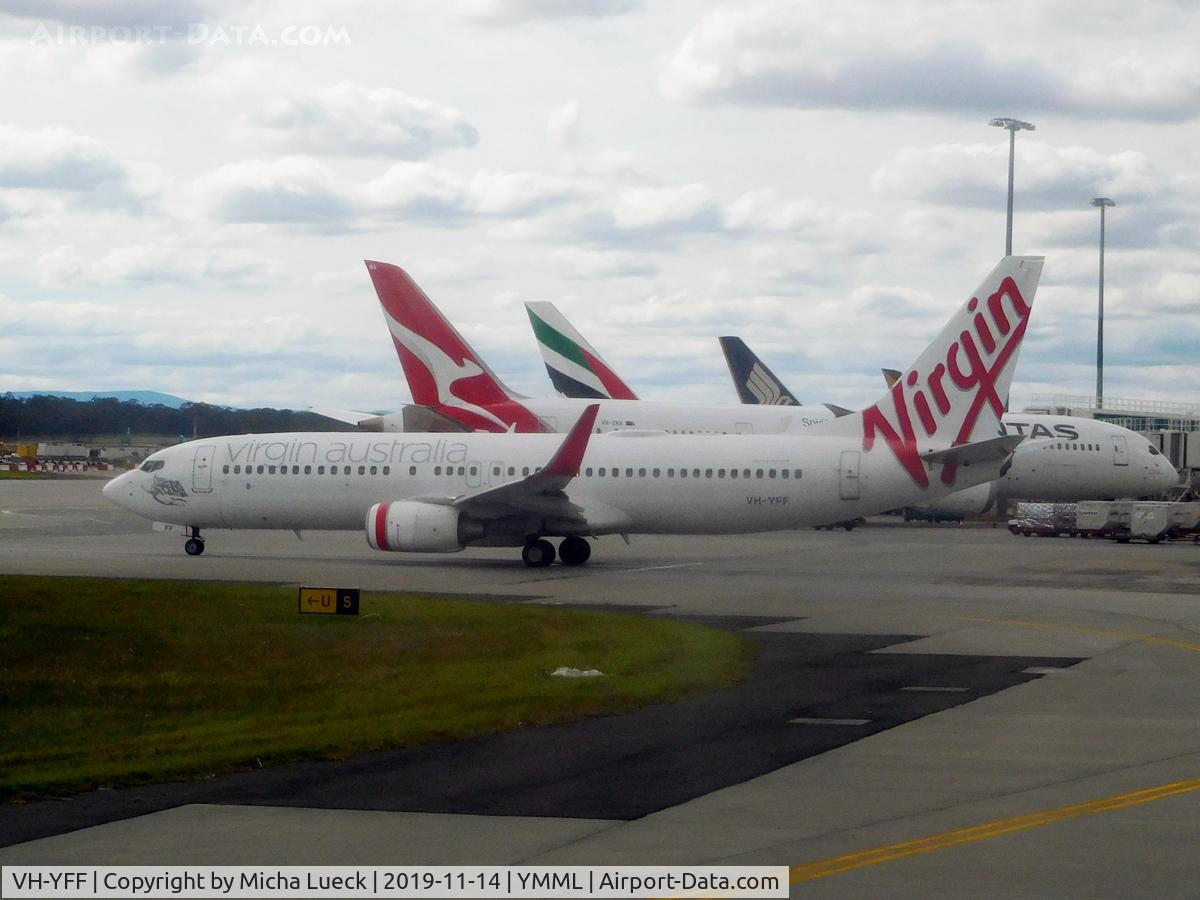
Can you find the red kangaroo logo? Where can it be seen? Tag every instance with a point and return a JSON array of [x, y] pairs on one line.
[[978, 376]]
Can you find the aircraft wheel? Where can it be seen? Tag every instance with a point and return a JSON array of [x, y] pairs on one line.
[[574, 551], [193, 547], [538, 554]]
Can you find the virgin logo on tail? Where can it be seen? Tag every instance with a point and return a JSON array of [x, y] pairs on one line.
[[974, 363]]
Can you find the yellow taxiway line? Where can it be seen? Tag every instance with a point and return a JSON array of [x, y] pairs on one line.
[[873, 857]]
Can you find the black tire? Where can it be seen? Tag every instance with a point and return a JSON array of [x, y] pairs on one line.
[[538, 554], [574, 551], [193, 546]]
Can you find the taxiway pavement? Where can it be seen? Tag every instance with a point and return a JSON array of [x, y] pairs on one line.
[[1049, 774]]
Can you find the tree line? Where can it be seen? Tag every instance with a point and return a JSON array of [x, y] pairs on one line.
[[59, 418]]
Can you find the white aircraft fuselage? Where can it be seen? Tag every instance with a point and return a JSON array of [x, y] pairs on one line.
[[627, 483]]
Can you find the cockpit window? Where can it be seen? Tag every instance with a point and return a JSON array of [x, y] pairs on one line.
[[1154, 451], [152, 465]]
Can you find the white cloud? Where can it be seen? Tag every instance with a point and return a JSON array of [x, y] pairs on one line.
[[503, 12], [351, 119], [1049, 176], [927, 56], [651, 207], [562, 125], [127, 14], [294, 189], [423, 191], [581, 263], [55, 158]]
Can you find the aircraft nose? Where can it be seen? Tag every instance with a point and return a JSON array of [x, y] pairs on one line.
[[115, 489]]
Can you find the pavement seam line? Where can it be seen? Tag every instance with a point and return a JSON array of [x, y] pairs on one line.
[[1081, 629], [877, 855]]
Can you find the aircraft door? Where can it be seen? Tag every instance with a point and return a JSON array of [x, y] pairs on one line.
[[1120, 450], [848, 475], [743, 428], [474, 474], [202, 469]]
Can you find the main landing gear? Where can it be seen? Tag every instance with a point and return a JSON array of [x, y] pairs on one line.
[[539, 553], [194, 545]]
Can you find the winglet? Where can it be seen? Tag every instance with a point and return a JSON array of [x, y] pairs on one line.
[[565, 462]]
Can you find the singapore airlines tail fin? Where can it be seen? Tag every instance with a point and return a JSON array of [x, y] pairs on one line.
[[574, 366], [954, 393], [444, 372], [755, 383]]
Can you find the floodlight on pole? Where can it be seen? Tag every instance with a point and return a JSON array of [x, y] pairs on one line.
[[1101, 202], [1013, 126]]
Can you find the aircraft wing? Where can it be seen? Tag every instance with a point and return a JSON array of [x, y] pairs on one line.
[[539, 494]]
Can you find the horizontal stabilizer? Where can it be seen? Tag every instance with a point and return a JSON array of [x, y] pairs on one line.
[[992, 450], [349, 416]]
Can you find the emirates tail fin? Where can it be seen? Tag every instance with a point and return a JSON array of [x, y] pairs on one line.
[[574, 366]]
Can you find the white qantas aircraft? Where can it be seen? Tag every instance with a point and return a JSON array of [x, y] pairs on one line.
[[439, 492], [1064, 458], [454, 390]]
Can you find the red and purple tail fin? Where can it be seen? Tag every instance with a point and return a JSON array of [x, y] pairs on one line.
[[954, 393]]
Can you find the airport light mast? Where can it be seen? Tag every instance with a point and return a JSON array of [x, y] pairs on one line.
[[1013, 126], [1101, 202]]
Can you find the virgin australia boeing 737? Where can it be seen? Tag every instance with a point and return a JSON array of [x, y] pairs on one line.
[[437, 492]]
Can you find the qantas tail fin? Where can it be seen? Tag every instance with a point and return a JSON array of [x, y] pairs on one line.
[[442, 369], [954, 393], [755, 383], [574, 366]]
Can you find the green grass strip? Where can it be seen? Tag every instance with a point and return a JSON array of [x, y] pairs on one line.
[[115, 682]]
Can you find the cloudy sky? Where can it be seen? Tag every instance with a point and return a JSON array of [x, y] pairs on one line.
[[188, 190]]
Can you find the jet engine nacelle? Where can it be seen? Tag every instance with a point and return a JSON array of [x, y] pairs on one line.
[[974, 501], [416, 527]]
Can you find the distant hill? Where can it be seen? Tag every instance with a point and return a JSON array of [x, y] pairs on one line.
[[146, 398], [51, 417]]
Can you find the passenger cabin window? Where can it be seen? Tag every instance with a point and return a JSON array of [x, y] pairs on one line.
[[224, 470], [387, 470]]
